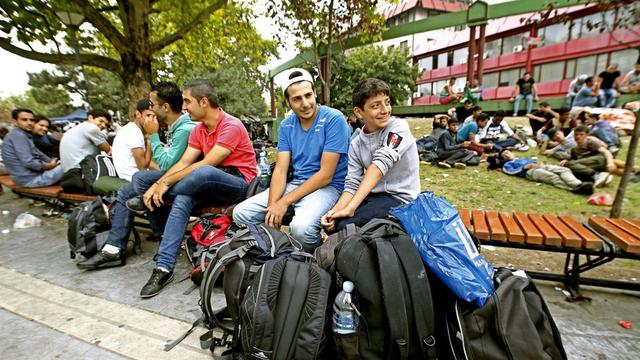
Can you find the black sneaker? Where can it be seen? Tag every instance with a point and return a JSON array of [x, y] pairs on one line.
[[103, 260], [136, 204], [157, 281], [586, 188]]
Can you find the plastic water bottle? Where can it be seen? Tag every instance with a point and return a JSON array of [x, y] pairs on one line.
[[264, 168], [345, 314]]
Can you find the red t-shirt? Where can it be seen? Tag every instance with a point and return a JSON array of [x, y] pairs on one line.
[[231, 134]]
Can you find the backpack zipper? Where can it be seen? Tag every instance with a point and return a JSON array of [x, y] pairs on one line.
[[500, 329], [273, 244], [458, 320]]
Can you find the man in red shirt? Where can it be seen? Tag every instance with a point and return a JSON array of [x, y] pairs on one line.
[[216, 168]]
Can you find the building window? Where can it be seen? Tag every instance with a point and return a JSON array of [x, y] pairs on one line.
[[555, 34], [490, 80], [425, 89], [551, 72], [570, 72], [460, 56], [458, 86], [509, 77], [512, 44], [425, 64], [404, 44], [625, 59], [586, 65], [442, 61], [590, 25], [492, 48]]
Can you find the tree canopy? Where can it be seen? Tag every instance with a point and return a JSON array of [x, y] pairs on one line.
[[316, 23], [130, 37], [391, 66]]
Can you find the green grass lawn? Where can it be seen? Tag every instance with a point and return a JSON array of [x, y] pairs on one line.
[[476, 187]]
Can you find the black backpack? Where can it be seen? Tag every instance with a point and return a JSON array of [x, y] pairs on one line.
[[88, 227], [94, 167], [515, 323], [284, 309], [249, 248], [392, 294]]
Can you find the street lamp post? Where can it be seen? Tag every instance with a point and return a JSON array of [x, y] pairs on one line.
[[73, 20]]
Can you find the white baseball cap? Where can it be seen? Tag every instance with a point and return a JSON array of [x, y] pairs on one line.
[[296, 75]]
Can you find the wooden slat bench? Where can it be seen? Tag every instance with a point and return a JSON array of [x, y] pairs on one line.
[[598, 241], [52, 195]]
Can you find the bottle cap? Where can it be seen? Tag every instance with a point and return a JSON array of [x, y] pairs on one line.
[[347, 286]]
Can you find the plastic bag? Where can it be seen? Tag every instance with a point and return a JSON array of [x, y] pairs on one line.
[[446, 247], [600, 199], [26, 220]]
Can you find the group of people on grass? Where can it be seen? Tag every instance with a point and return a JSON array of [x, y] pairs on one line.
[[584, 145], [339, 177]]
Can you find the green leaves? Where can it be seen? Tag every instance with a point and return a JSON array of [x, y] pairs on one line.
[[391, 65]]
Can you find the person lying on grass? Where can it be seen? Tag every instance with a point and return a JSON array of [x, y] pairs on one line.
[[529, 168], [383, 166]]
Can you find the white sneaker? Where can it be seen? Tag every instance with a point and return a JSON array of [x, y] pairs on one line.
[[532, 143], [521, 147], [602, 179], [460, 166]]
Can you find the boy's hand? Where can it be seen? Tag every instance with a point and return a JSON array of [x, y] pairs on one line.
[[327, 221], [151, 126]]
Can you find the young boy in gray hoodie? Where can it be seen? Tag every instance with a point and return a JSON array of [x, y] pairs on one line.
[[383, 165]]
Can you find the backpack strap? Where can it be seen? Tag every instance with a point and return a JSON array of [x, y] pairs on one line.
[[418, 288], [393, 295], [177, 341]]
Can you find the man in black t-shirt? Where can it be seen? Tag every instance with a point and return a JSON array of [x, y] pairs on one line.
[[608, 86], [461, 112], [525, 89]]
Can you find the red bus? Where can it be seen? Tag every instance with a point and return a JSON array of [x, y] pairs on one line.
[[579, 40]]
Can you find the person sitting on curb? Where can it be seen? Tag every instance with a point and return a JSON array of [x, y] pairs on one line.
[[468, 133], [383, 162], [315, 140], [532, 170], [28, 166], [447, 95], [493, 129], [451, 153]]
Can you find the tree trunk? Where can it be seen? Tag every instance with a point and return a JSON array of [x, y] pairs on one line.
[[326, 90], [136, 62], [616, 208]]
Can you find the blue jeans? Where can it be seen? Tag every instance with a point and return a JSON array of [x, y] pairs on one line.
[[205, 184], [569, 98], [516, 105], [47, 178], [305, 226], [122, 218], [607, 97], [502, 144]]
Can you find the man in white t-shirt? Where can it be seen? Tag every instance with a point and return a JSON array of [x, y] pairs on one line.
[[131, 149]]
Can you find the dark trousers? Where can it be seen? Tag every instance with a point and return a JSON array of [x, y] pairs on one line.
[[374, 206], [454, 156], [585, 168]]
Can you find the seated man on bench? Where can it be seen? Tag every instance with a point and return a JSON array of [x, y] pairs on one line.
[[315, 140], [222, 176], [28, 166], [167, 104]]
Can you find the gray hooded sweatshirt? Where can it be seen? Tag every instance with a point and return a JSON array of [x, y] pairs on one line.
[[393, 150]]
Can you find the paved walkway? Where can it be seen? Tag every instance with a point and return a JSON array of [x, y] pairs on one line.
[[51, 310]]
